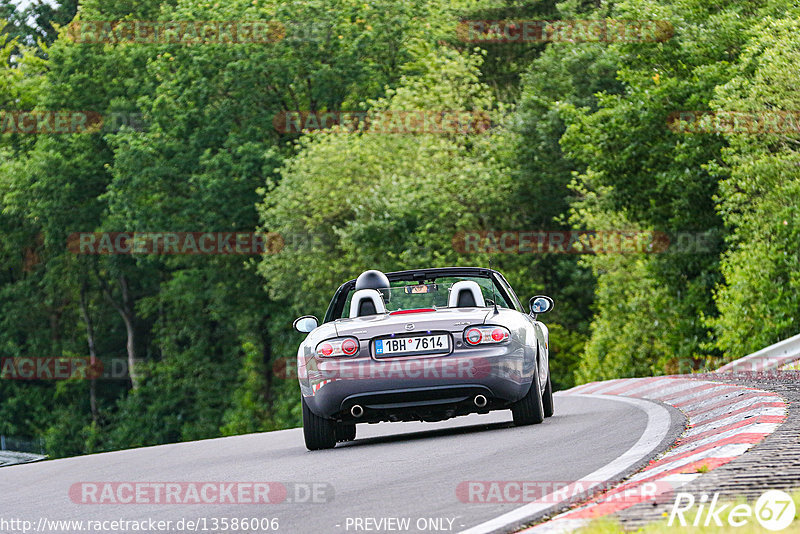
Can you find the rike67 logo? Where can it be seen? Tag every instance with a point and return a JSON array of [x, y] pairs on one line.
[[774, 510]]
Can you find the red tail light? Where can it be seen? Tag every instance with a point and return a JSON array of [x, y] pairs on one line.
[[349, 347], [486, 335], [473, 336], [344, 346]]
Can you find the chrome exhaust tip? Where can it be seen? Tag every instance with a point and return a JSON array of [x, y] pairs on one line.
[[357, 411], [480, 401]]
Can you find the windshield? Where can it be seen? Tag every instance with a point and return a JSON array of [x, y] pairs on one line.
[[406, 295]]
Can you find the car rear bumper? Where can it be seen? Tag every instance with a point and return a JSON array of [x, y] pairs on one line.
[[428, 388]]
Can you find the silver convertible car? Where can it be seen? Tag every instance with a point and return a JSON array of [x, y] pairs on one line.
[[422, 345]]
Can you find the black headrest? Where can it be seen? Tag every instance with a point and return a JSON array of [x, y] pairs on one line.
[[366, 307], [466, 299]]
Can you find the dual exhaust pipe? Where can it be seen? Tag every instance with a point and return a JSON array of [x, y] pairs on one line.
[[479, 400]]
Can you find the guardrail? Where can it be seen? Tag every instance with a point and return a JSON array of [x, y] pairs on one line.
[[769, 358], [10, 443], [20, 451], [13, 458]]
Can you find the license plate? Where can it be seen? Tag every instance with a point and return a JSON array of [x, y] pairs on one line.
[[407, 346]]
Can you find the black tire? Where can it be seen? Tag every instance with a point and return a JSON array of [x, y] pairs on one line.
[[529, 410], [319, 433], [547, 398], [345, 432]]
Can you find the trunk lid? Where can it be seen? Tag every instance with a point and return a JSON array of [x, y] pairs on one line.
[[446, 319]]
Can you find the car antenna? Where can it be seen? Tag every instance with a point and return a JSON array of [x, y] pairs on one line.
[[491, 279]]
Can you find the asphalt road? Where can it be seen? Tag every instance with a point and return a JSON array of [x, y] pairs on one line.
[[410, 471]]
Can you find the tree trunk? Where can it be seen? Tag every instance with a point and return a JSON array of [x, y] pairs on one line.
[[266, 358], [92, 352], [55, 330], [128, 315], [127, 312]]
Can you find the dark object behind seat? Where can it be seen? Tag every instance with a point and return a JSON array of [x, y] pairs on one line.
[[466, 300], [367, 307]]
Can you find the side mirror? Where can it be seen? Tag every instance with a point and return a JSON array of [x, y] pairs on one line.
[[540, 304], [305, 324]]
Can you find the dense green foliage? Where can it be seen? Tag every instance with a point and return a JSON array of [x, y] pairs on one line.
[[579, 140]]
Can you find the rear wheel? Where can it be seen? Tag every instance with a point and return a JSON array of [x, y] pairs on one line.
[[345, 432], [529, 410], [319, 433], [547, 398]]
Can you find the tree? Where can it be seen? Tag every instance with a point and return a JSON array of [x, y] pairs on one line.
[[759, 195], [648, 177]]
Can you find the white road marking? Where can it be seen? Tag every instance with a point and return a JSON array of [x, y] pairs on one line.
[[658, 423]]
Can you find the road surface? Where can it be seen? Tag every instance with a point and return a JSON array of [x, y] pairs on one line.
[[396, 477]]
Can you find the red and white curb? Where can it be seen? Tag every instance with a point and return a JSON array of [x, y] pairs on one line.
[[650, 440], [724, 422]]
